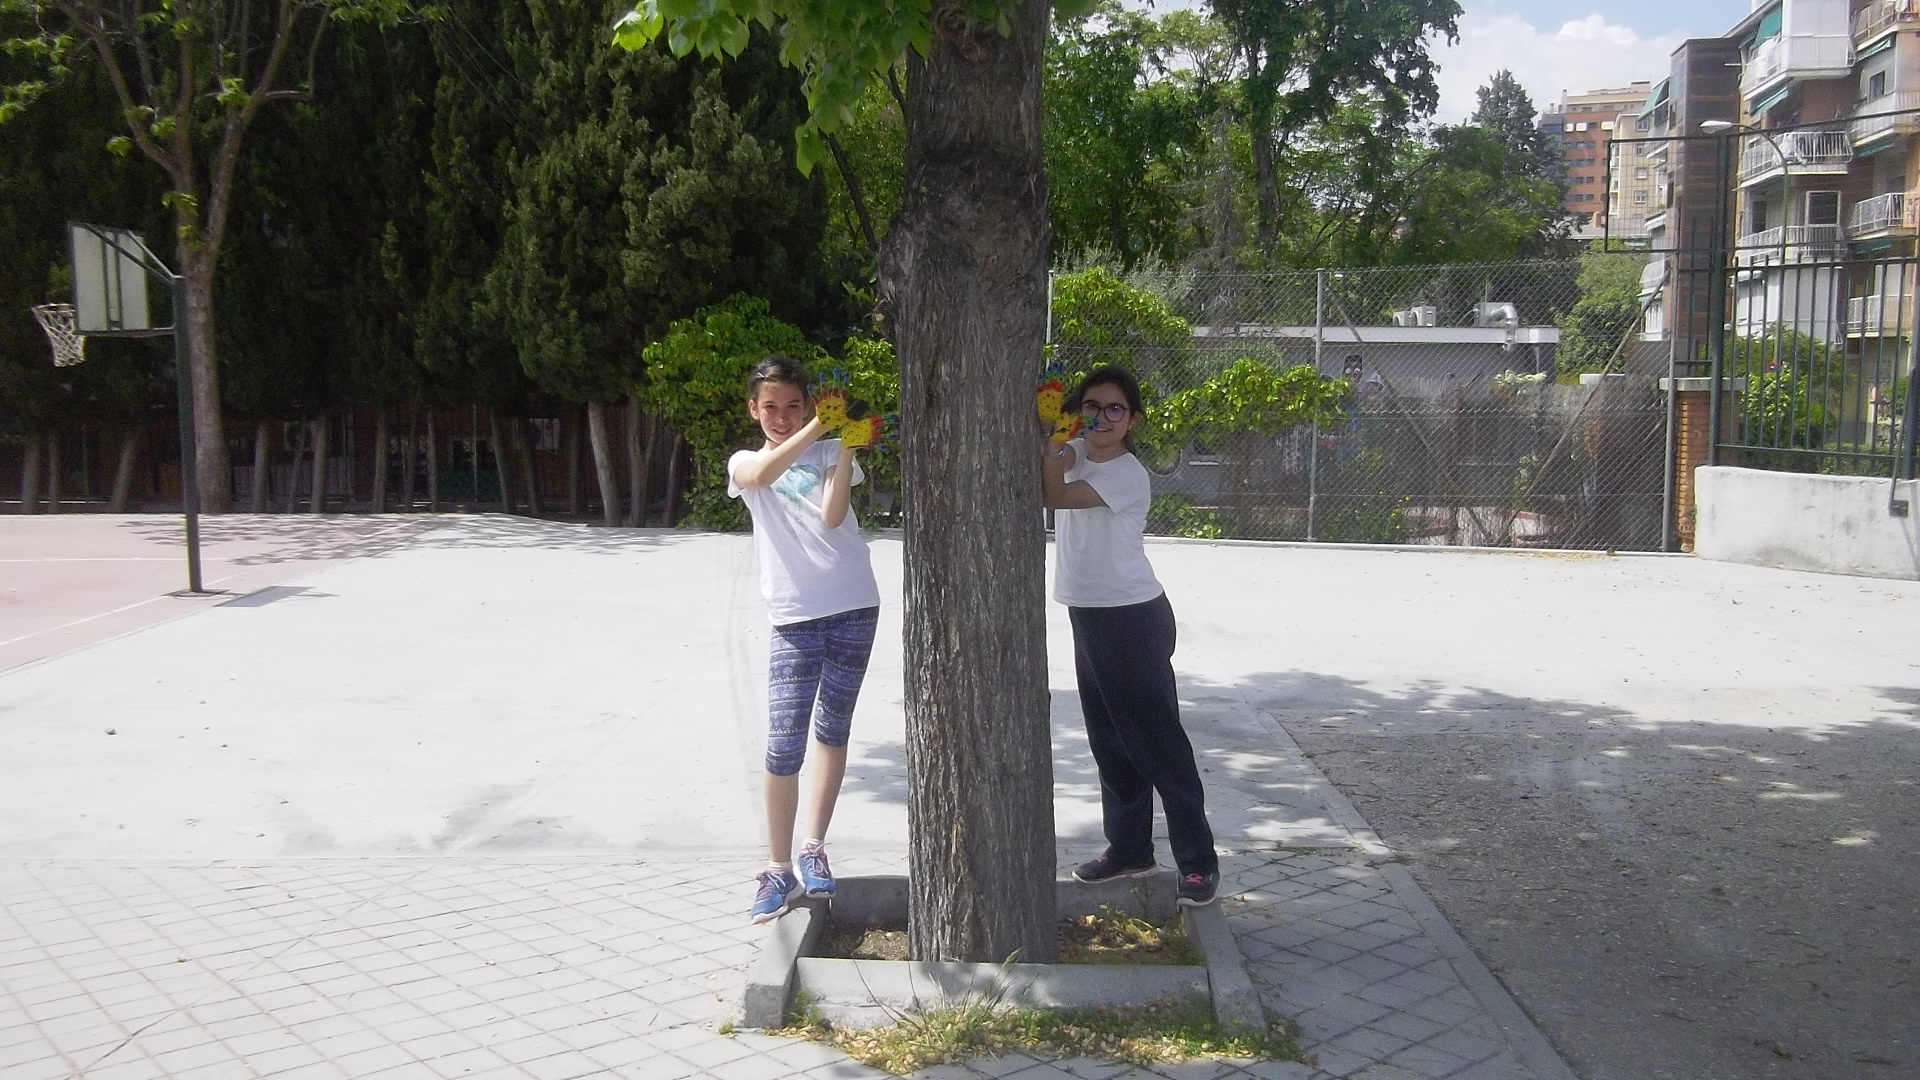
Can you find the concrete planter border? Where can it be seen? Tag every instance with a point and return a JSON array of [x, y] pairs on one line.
[[872, 993]]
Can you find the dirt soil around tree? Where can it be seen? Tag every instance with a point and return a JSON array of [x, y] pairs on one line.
[[1105, 938]]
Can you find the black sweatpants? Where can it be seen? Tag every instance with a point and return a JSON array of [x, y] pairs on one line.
[[1123, 658]]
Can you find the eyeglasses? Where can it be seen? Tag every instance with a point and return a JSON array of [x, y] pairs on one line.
[[1114, 413]]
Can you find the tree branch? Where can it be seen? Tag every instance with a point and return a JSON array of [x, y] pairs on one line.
[[94, 30], [854, 193]]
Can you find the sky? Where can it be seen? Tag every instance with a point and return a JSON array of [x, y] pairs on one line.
[[1570, 45], [1556, 45]]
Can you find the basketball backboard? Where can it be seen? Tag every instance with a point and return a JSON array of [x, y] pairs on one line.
[[110, 280]]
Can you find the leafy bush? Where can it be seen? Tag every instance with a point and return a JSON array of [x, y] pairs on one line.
[[697, 379], [1173, 514]]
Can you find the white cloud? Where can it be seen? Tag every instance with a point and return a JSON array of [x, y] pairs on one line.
[[1585, 54]]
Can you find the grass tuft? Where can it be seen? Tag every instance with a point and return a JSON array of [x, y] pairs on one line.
[[1149, 1034]]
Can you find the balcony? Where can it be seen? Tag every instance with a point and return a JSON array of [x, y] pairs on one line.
[[1801, 153], [1775, 61], [1652, 274], [1893, 212], [1880, 315], [1791, 244], [1887, 115], [1881, 16]]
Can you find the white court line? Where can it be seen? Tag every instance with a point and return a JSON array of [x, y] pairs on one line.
[[99, 558]]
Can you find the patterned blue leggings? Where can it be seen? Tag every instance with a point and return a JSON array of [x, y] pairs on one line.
[[815, 671]]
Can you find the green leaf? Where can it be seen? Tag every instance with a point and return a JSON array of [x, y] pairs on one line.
[[808, 148], [120, 146], [636, 29]]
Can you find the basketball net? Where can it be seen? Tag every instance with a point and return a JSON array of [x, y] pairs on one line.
[[69, 348]]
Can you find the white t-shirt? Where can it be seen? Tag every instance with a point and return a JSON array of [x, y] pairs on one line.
[[1100, 554], [807, 571]]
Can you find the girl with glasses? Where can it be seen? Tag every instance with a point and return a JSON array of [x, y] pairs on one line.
[[1123, 640]]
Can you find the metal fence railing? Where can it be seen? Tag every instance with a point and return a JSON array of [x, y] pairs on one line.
[[1815, 361], [1507, 405]]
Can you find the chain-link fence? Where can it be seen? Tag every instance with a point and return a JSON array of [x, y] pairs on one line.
[[1505, 405]]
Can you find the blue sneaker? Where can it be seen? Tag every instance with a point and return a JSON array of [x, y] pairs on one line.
[[814, 872], [771, 893]]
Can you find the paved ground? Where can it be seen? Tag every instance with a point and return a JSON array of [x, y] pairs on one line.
[[418, 803]]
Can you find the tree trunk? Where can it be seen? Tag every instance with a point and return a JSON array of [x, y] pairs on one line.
[[209, 431], [963, 276], [410, 459], [320, 439], [302, 440], [654, 425], [433, 466], [123, 471], [500, 471], [30, 473], [529, 474], [603, 462], [570, 447], [674, 457], [380, 440], [636, 474], [262, 466], [53, 470]]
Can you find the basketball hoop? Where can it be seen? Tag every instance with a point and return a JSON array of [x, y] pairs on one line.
[[69, 347]]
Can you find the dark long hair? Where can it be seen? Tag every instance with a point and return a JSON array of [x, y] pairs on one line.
[[1116, 376], [778, 369]]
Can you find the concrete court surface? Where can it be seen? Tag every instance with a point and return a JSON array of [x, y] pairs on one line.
[[1671, 803]]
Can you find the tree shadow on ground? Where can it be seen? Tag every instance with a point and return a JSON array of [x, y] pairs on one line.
[[1737, 893]]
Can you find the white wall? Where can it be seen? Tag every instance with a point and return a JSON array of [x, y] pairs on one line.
[[1833, 524]]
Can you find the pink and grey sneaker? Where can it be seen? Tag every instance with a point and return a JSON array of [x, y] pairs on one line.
[[815, 874], [772, 891]]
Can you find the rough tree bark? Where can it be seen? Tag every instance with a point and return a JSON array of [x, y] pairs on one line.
[[529, 474], [603, 470], [636, 475], [963, 275], [209, 427]]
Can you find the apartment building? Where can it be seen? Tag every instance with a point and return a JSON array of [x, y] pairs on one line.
[[1689, 171], [1583, 124], [1790, 152]]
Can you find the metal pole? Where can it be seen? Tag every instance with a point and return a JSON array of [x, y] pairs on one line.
[[1313, 444], [1669, 542], [189, 471], [1717, 302], [1910, 406]]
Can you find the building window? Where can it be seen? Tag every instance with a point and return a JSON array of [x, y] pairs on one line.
[[1823, 208], [1640, 198], [1640, 173], [1876, 85]]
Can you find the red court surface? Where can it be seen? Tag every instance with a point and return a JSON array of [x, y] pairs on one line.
[[69, 580]]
